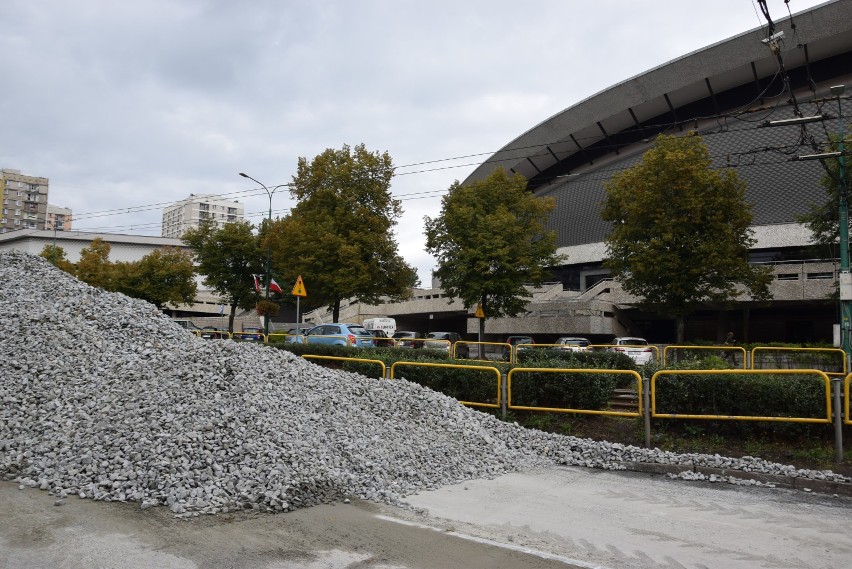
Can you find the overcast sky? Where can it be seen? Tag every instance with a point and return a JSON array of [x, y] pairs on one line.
[[133, 105]]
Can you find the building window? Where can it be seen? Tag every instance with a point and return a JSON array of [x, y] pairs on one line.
[[820, 276]]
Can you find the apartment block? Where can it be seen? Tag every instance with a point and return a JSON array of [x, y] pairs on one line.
[[24, 201], [58, 218], [190, 212]]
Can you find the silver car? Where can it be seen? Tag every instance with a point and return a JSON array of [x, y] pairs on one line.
[[572, 344], [636, 349]]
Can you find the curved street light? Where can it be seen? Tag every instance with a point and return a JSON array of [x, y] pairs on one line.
[[266, 269]]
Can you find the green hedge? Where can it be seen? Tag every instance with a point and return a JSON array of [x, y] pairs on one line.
[[574, 390], [798, 395], [787, 395], [581, 391]]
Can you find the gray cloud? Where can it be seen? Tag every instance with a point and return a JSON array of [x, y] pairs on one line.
[[124, 105]]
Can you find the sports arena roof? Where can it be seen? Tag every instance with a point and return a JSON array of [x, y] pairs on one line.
[[726, 91]]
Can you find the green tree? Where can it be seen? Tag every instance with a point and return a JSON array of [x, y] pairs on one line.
[[161, 277], [489, 241], [57, 257], [680, 231], [94, 266], [339, 235], [228, 258]]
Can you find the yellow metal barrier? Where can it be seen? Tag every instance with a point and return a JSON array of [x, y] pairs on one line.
[[486, 344], [847, 420], [285, 336], [731, 349], [836, 351], [435, 344], [496, 371], [612, 348], [415, 342], [638, 378], [342, 359], [558, 347], [734, 373], [242, 335]]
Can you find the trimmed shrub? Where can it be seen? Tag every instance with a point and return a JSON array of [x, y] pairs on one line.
[[590, 391]]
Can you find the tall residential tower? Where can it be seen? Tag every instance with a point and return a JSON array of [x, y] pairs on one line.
[[24, 201], [190, 212]]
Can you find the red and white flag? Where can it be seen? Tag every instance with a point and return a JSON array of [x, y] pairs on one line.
[[256, 284], [273, 286]]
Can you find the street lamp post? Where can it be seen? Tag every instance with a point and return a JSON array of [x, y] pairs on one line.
[[269, 227], [845, 279]]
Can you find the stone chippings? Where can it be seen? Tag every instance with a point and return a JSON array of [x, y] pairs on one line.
[[105, 398]]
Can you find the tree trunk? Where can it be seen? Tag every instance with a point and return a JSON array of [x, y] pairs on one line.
[[231, 315], [681, 329], [335, 310]]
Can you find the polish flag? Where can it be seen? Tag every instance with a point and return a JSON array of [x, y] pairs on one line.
[[256, 284], [273, 286]]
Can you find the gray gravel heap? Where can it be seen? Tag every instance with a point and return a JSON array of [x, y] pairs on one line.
[[105, 398]]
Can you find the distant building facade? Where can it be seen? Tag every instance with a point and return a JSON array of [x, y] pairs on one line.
[[190, 212], [24, 201], [123, 248], [58, 218]]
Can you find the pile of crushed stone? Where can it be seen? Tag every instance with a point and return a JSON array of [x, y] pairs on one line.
[[103, 397]]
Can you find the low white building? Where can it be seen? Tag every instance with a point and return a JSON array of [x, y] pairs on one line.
[[126, 248]]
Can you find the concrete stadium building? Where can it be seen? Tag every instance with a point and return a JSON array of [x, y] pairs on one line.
[[726, 92]]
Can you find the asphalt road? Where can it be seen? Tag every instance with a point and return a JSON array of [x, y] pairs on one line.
[[559, 517]]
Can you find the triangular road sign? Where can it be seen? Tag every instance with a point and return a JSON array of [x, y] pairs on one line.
[[299, 288]]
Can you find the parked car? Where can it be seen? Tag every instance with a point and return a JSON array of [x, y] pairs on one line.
[[212, 333], [187, 324], [380, 338], [341, 334], [634, 348], [250, 334], [405, 339], [571, 344], [515, 341], [446, 340]]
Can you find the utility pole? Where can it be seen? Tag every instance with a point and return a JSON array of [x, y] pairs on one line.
[[845, 277], [267, 271]]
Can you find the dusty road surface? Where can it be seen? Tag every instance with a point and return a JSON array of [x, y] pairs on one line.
[[559, 517]]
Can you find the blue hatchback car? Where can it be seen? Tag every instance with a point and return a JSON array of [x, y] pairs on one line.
[[340, 334]]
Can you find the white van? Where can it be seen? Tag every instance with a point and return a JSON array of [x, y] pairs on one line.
[[386, 325]]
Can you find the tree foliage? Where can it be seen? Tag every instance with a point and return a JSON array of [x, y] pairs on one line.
[[228, 258], [94, 266], [490, 240], [58, 258], [680, 231], [339, 235], [823, 219], [163, 276]]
